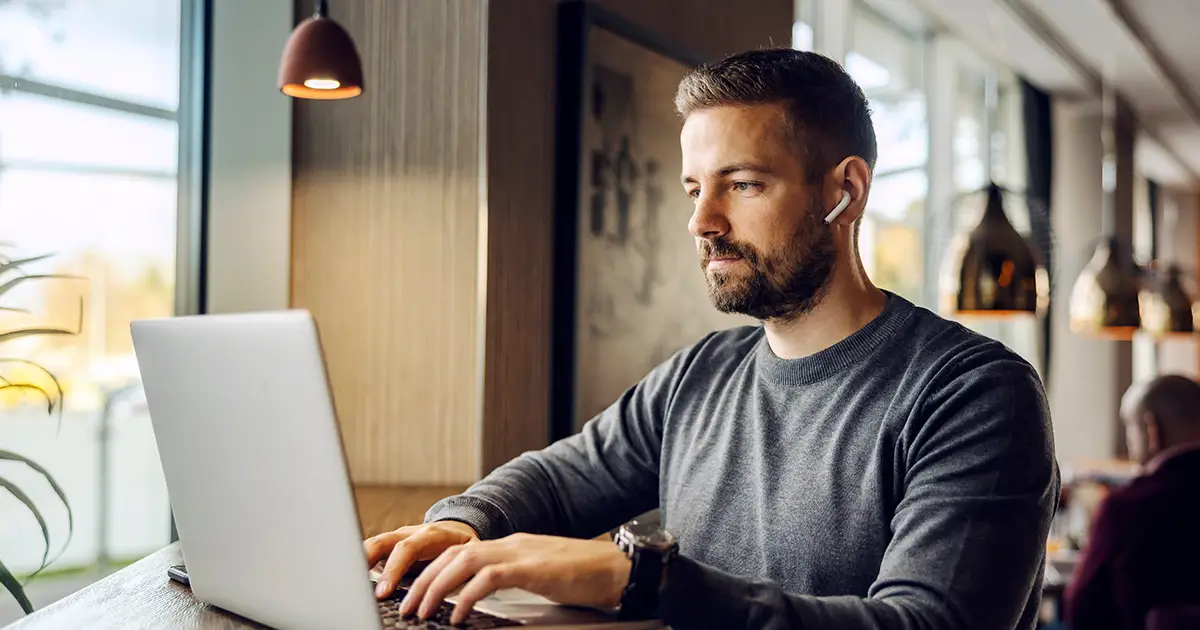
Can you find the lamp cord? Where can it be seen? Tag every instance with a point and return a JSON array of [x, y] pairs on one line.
[[991, 105]]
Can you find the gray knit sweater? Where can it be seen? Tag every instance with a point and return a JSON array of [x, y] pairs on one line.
[[902, 478]]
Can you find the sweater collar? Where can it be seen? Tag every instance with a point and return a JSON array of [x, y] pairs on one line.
[[830, 361]]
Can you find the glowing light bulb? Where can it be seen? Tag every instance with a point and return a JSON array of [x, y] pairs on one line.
[[322, 84]]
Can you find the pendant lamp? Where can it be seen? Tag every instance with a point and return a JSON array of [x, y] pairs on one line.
[[994, 271], [320, 60], [1105, 298], [1166, 308]]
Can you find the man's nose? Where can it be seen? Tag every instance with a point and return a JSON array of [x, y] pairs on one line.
[[709, 219]]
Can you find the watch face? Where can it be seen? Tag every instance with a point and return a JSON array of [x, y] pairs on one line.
[[649, 534]]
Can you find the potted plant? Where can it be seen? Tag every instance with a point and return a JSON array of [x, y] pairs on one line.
[[12, 275]]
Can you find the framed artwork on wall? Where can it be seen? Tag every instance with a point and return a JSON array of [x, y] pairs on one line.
[[628, 288]]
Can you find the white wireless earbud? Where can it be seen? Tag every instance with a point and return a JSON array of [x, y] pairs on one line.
[[833, 214]]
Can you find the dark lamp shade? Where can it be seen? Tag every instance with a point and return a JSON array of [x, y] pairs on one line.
[[1105, 299], [994, 271], [320, 62], [1166, 309]]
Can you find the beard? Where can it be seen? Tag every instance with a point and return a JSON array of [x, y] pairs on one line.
[[779, 284]]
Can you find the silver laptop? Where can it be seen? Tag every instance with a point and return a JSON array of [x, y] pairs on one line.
[[253, 459]]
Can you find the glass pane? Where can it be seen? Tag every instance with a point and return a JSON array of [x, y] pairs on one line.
[[116, 233], [891, 239], [123, 49], [886, 61], [803, 36], [42, 131], [902, 131], [93, 186]]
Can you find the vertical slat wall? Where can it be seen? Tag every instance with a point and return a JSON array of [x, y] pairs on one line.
[[387, 205]]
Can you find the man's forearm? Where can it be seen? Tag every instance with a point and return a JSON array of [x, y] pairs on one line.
[[578, 487], [698, 596]]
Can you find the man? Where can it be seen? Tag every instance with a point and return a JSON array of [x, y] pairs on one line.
[[854, 462], [1143, 550]]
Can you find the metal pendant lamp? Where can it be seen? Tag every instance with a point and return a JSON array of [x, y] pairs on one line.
[[999, 272], [1105, 299], [995, 271], [1166, 307], [320, 60]]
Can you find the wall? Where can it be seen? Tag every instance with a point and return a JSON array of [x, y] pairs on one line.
[[385, 236], [520, 108], [250, 179], [1082, 405]]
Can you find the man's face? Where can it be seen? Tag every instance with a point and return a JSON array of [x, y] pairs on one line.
[[764, 248], [1141, 430], [1136, 442]]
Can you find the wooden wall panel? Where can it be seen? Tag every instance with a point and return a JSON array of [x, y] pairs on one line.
[[520, 187], [386, 206], [520, 195]]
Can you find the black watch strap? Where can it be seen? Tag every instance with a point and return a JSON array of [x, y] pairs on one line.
[[640, 598]]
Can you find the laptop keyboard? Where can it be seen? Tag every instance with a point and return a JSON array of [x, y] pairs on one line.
[[389, 611]]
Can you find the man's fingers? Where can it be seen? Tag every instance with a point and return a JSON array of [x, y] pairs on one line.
[[377, 547], [469, 560], [403, 555], [416, 590], [488, 580]]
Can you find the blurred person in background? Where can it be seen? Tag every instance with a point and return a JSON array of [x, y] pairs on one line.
[[1143, 551]]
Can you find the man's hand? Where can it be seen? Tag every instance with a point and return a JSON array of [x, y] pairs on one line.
[[564, 570], [407, 545]]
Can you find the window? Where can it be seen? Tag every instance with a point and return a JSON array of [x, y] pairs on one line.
[[887, 60], [802, 28], [89, 152]]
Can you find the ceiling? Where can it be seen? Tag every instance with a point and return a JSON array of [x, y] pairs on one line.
[[1147, 50]]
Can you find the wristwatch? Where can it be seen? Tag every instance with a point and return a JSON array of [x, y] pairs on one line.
[[650, 548]]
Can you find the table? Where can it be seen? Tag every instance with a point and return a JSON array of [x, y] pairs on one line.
[[138, 596], [142, 596]]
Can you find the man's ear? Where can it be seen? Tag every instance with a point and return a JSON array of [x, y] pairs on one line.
[[853, 176], [1153, 433]]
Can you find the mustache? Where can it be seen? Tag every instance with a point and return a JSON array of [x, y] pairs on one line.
[[723, 248]]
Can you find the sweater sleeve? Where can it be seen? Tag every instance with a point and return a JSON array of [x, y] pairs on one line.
[[968, 535], [583, 485]]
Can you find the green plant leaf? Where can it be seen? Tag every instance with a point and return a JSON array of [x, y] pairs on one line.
[[16, 264], [57, 386], [18, 592], [29, 332], [62, 496], [7, 286], [9, 385], [24, 498]]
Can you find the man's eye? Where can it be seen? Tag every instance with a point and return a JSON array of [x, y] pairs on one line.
[[745, 186], [694, 193]]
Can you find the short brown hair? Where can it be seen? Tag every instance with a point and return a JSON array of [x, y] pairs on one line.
[[829, 117]]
